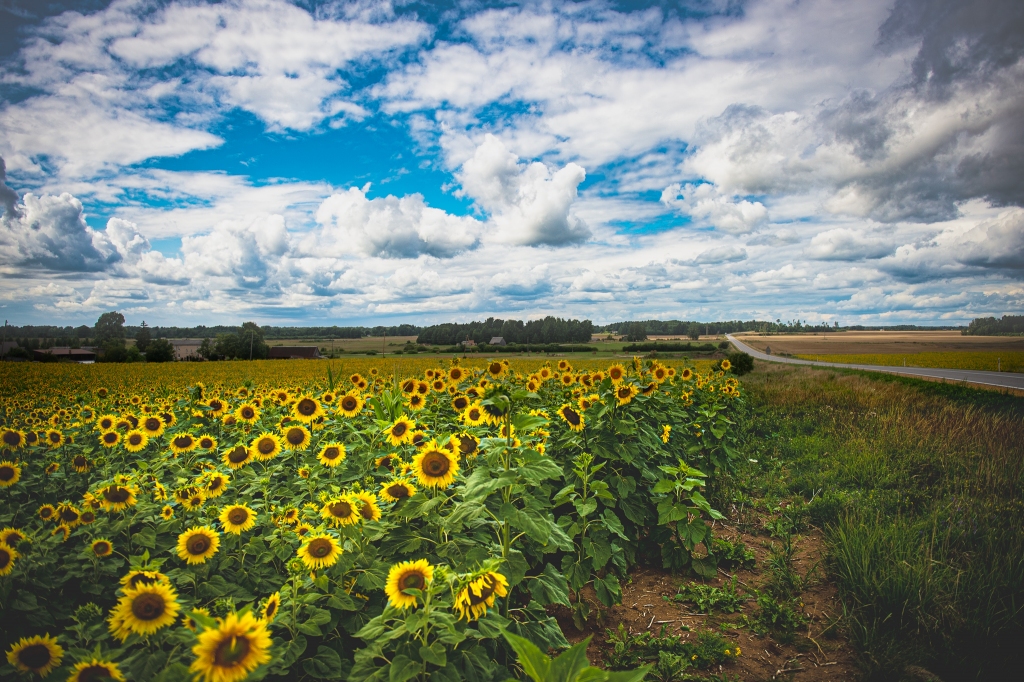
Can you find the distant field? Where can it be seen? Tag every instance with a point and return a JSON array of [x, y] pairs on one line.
[[882, 343], [990, 361]]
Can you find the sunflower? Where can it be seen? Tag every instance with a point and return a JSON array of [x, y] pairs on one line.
[[666, 431], [660, 373], [232, 650], [416, 402], [183, 443], [686, 374], [109, 439], [624, 393], [167, 513], [319, 551], [247, 413], [726, 365], [86, 414], [571, 417], [80, 463], [307, 409], [11, 537], [10, 473], [216, 484], [237, 457], [37, 655], [400, 431], [408, 386], [302, 529], [207, 442], [460, 403], [474, 415], [291, 515], [47, 512], [68, 515], [198, 544], [237, 518], [617, 373], [438, 385], [533, 385], [266, 446], [567, 379], [8, 555], [407, 575], [194, 501], [356, 379], [132, 579], [135, 440], [117, 497], [397, 490], [495, 370], [271, 607], [296, 437], [368, 507], [102, 547], [144, 609], [350, 404], [64, 531], [434, 466], [106, 422], [456, 374], [332, 454], [96, 669], [341, 511], [422, 387], [54, 439], [650, 388], [153, 426], [472, 601], [217, 407], [466, 444]]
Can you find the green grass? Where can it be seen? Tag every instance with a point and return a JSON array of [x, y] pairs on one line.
[[919, 488]]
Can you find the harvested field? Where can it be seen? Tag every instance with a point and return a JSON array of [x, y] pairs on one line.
[[867, 343]]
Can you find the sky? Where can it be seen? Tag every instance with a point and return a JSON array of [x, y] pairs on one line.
[[190, 162]]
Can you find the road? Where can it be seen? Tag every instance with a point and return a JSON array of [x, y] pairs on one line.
[[1000, 379]]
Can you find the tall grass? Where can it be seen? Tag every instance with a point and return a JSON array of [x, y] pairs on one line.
[[921, 497]]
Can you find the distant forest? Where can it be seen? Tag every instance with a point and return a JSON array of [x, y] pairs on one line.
[[548, 330], [1009, 325]]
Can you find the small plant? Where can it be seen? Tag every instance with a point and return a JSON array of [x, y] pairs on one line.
[[733, 553], [709, 598], [780, 618], [669, 653]]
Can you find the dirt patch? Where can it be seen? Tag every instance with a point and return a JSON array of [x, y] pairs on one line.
[[817, 652], [844, 343]]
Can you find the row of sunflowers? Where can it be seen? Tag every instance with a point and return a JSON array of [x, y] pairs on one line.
[[379, 526]]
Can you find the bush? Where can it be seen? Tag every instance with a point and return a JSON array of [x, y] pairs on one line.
[[160, 350], [741, 363]]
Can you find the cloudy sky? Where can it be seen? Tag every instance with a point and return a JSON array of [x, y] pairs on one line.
[[193, 162]]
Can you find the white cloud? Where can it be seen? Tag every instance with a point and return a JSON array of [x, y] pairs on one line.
[[50, 232], [846, 244], [721, 254], [709, 207]]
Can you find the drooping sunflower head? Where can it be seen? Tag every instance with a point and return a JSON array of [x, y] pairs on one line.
[[407, 575], [341, 511], [10, 473], [434, 466], [571, 417], [307, 409], [369, 510], [198, 544], [11, 537], [296, 437], [466, 444], [397, 490], [37, 655], [400, 432], [68, 515], [96, 669], [319, 551], [8, 555], [473, 600], [117, 497], [237, 518], [332, 454], [271, 607], [232, 650]]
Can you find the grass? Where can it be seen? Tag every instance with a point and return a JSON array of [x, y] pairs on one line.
[[919, 488], [989, 361]]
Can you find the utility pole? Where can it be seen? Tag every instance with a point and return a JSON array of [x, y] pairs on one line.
[[3, 348], [384, 345], [252, 337]]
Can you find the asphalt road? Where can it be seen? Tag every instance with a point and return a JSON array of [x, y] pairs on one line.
[[1000, 379]]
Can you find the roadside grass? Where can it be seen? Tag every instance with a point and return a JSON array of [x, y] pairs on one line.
[[986, 361], [919, 489]]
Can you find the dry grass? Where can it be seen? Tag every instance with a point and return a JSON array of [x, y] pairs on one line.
[[906, 343]]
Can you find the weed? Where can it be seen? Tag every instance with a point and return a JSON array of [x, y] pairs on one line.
[[732, 554], [709, 598], [670, 654], [779, 618]]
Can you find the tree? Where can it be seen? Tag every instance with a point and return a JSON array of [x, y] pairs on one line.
[[251, 345], [693, 331], [637, 331], [207, 349], [226, 346], [142, 337], [160, 350], [110, 329]]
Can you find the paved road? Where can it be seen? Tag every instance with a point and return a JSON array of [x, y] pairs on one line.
[[1000, 379]]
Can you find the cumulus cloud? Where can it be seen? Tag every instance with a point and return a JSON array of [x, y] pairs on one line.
[[247, 254], [50, 232], [845, 244], [529, 204], [721, 254], [388, 227], [710, 207]]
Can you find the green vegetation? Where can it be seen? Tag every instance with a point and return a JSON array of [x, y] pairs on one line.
[[919, 489], [1008, 325]]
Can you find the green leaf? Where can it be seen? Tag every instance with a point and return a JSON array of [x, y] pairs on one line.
[[541, 470], [525, 423], [612, 523], [608, 590], [568, 665], [325, 665], [145, 537], [664, 486], [550, 587], [435, 654], [342, 601], [403, 668], [629, 675], [585, 507], [599, 551], [533, 660]]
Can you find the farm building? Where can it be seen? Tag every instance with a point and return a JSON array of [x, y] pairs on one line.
[[497, 341], [186, 349], [65, 353], [295, 353]]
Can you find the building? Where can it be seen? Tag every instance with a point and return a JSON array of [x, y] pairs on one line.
[[497, 341], [295, 353], [186, 349], [468, 343], [65, 353]]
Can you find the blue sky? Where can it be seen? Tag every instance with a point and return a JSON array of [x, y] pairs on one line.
[[356, 162]]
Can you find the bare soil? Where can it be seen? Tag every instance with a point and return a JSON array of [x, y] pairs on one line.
[[843, 343]]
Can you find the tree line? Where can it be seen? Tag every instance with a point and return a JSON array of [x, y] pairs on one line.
[[1008, 325], [548, 330]]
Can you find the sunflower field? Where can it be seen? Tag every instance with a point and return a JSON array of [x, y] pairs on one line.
[[386, 525]]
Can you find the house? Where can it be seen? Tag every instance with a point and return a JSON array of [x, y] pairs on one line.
[[497, 341], [295, 353], [7, 346], [186, 349], [65, 353]]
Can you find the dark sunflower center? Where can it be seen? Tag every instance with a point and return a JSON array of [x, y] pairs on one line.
[[295, 436], [399, 492], [79, 461], [183, 441], [206, 443], [197, 544], [94, 672], [152, 424], [34, 656], [69, 515], [266, 446], [467, 445], [271, 609], [319, 548], [238, 455], [101, 548], [332, 453], [110, 437], [436, 464], [31, 437], [412, 581], [349, 403], [88, 517], [238, 516], [140, 578], [6, 473], [366, 511], [11, 438], [135, 439], [116, 494], [216, 405], [54, 437], [214, 484], [340, 509], [231, 651], [248, 413], [45, 513], [148, 606], [399, 429], [306, 407], [474, 414], [460, 403], [623, 392]]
